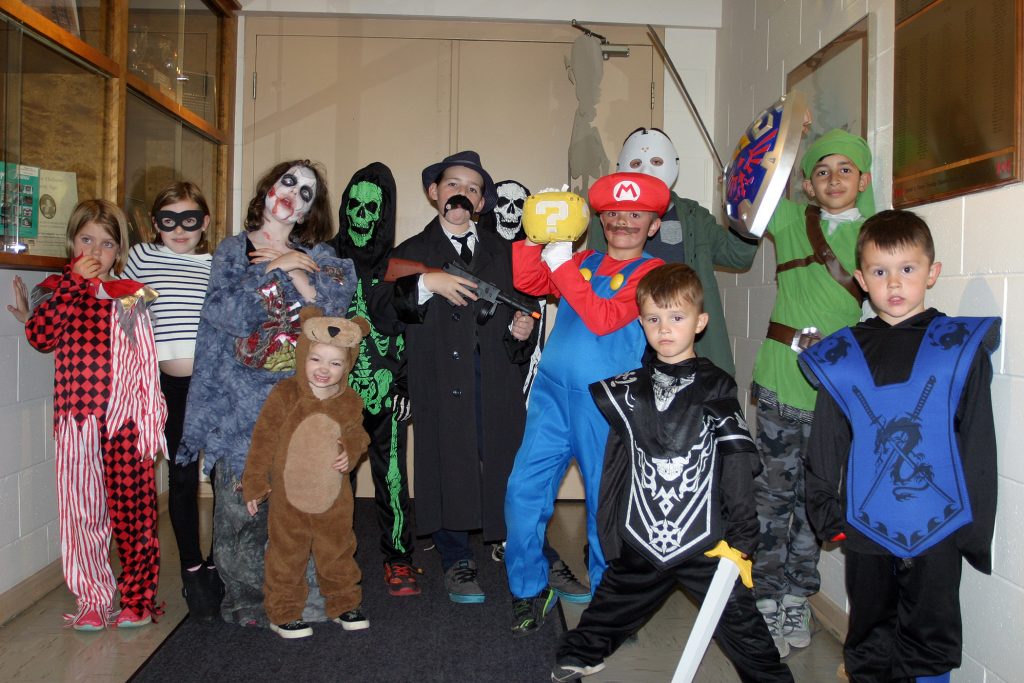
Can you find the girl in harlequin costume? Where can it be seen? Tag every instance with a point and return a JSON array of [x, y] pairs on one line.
[[176, 264], [108, 416], [246, 344], [595, 336]]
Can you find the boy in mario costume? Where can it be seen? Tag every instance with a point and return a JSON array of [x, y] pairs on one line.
[[595, 336]]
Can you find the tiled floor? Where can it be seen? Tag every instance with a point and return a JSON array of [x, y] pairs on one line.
[[35, 648]]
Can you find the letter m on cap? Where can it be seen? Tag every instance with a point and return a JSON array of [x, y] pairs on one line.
[[626, 190]]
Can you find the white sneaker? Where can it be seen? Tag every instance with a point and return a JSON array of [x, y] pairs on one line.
[[796, 626], [774, 617]]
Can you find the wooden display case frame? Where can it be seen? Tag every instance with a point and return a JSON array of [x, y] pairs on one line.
[[113, 63]]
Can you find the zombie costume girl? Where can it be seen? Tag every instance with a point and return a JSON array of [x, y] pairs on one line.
[[108, 416], [366, 234], [678, 478], [901, 467], [245, 344]]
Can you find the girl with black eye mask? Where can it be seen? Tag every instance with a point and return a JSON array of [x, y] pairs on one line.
[[177, 265]]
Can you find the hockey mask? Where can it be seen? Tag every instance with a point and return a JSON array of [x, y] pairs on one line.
[[364, 208], [649, 151], [292, 195], [508, 211]]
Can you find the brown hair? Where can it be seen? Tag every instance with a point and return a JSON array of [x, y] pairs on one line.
[[110, 218], [317, 226], [895, 229], [180, 191], [669, 284]]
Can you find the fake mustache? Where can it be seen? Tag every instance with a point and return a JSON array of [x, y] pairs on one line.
[[458, 202]]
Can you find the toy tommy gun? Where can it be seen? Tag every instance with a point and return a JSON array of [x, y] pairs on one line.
[[485, 291]]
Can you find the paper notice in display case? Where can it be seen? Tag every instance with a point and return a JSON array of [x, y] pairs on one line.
[[18, 213], [58, 196]]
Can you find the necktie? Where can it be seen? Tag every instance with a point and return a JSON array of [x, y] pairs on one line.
[[464, 251]]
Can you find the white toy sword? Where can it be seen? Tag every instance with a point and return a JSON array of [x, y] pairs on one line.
[[731, 564]]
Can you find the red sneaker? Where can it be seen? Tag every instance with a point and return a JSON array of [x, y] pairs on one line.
[[129, 618], [86, 619], [401, 578]]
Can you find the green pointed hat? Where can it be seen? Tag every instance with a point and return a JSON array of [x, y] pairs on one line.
[[838, 141]]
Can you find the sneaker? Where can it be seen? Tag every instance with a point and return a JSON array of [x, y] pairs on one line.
[[528, 614], [460, 582], [400, 576], [293, 629], [130, 618], [353, 620], [796, 626], [498, 551], [86, 619], [774, 617], [572, 669], [565, 583]]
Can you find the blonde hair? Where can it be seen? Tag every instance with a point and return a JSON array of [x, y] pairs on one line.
[[110, 218]]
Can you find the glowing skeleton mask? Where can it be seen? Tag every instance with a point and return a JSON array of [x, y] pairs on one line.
[[649, 151], [291, 196], [363, 210]]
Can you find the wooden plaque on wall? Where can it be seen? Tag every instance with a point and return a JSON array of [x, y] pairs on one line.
[[957, 89]]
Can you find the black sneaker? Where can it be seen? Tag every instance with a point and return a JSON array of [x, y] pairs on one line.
[[353, 620], [528, 614], [565, 583], [498, 551], [293, 629], [572, 669], [461, 584]]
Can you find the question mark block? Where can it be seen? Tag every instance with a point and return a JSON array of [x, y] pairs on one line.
[[555, 217]]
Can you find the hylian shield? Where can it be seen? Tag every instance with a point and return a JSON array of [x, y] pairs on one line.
[[758, 172]]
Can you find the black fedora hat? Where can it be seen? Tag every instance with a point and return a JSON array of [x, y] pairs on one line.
[[469, 159]]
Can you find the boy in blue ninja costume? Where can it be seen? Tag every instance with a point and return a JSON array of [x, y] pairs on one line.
[[596, 336], [901, 465]]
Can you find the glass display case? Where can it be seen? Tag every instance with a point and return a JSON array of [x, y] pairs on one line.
[[112, 99]]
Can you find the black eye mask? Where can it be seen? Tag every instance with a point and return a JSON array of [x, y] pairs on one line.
[[458, 202], [189, 221]]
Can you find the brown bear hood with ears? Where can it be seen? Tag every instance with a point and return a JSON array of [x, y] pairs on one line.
[[343, 333]]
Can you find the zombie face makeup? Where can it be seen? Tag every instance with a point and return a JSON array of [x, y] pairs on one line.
[[508, 212], [289, 200], [649, 151]]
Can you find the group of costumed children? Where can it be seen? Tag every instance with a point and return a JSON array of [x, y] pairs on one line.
[[878, 437]]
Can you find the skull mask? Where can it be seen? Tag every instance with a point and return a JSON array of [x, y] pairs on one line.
[[363, 210], [509, 209]]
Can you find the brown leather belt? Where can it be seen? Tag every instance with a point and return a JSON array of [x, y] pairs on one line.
[[798, 340]]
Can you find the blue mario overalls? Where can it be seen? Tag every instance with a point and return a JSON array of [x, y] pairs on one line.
[[563, 422]]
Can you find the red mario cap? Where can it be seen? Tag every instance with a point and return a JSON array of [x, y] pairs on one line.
[[629, 192]]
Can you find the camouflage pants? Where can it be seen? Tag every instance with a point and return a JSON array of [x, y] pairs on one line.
[[787, 557], [239, 544]]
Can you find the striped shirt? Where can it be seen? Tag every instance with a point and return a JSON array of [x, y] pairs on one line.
[[181, 281]]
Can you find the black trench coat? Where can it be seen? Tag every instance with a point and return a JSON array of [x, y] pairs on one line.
[[460, 480]]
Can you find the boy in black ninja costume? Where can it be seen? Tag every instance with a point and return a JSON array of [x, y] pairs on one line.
[[678, 478], [366, 234], [901, 462]]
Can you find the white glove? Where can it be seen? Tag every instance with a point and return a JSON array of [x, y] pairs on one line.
[[556, 253]]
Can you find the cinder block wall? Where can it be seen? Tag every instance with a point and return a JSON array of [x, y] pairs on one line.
[[978, 239]]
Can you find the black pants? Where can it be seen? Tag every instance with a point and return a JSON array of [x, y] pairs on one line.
[[183, 480], [390, 483], [904, 615], [633, 589]]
